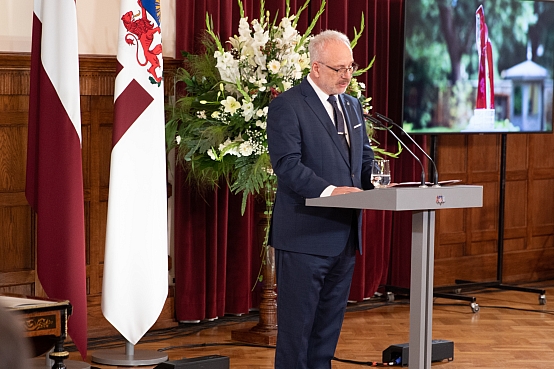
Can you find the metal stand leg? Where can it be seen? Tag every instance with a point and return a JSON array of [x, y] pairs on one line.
[[421, 287], [128, 356]]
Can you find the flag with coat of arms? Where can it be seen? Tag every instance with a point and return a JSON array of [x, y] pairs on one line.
[[135, 280]]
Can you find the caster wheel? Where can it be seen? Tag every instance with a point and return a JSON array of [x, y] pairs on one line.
[[542, 299], [474, 307], [390, 297]]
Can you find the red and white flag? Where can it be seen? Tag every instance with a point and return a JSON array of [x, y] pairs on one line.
[[135, 265], [54, 185]]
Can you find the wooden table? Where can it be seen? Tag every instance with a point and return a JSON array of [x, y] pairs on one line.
[[43, 318]]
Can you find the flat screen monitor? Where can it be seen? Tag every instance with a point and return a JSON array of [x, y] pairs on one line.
[[478, 66]]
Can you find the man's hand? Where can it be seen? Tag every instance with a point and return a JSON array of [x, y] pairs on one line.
[[344, 190]]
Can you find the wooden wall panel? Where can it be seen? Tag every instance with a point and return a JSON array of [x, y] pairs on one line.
[[456, 221], [516, 220], [469, 268], [483, 158], [17, 252], [517, 158], [485, 219], [540, 146], [541, 202], [12, 158], [542, 242], [531, 265], [528, 234], [21, 288], [452, 163], [515, 244], [101, 114], [15, 231], [449, 250]]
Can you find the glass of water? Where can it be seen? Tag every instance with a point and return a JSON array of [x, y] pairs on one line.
[[380, 174]]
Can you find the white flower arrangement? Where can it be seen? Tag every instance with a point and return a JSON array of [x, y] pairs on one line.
[[219, 127]]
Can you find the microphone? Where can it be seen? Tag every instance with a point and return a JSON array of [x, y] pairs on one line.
[[435, 173], [381, 124]]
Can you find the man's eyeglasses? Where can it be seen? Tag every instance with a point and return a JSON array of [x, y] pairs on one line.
[[342, 71]]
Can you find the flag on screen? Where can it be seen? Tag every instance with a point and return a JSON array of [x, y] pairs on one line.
[[135, 280], [54, 185]]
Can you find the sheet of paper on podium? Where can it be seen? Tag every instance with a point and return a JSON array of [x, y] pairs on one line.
[[416, 184]]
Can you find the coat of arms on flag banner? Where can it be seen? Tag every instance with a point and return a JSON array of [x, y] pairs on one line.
[[141, 32], [135, 282]]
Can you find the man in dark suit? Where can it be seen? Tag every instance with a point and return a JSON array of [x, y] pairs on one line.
[[313, 155]]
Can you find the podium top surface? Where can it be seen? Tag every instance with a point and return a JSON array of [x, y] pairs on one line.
[[406, 198]]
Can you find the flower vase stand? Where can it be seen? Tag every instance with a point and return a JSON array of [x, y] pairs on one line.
[[265, 332]]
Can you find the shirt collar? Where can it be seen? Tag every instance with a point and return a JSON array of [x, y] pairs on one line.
[[322, 95]]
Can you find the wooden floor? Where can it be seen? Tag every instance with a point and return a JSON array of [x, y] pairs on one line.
[[510, 330]]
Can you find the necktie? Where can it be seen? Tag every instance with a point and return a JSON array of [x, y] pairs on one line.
[[339, 122]]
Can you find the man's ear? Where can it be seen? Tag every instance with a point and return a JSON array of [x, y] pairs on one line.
[[315, 69]]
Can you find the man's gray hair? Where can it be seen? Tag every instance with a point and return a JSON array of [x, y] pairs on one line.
[[318, 43]]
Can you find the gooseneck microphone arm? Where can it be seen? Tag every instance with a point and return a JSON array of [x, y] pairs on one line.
[[435, 172], [381, 124]]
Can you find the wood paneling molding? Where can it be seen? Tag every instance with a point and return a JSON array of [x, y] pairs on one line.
[[17, 278], [97, 74]]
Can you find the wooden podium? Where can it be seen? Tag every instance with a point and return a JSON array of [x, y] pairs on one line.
[[422, 202]]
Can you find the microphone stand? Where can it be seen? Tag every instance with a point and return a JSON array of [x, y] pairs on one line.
[[392, 289], [435, 172], [381, 124]]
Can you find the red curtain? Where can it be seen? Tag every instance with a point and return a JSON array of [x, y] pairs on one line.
[[216, 249]]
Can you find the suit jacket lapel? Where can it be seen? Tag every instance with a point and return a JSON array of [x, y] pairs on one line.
[[315, 104]]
